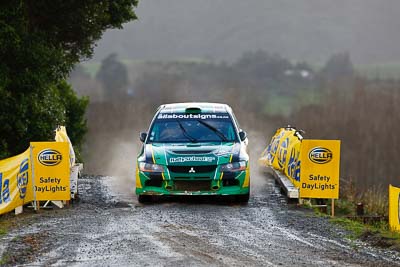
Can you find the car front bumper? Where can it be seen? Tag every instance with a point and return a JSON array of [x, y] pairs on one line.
[[228, 185]]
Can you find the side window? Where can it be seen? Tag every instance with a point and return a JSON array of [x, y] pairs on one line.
[[152, 134]]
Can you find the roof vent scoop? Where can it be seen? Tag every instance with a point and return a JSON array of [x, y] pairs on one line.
[[193, 110]]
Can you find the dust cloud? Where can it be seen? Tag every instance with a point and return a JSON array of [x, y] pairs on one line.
[[257, 143], [114, 155]]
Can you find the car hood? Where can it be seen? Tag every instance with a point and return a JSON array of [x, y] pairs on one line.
[[192, 153]]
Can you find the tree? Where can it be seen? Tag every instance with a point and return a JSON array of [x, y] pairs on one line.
[[114, 77], [338, 67], [40, 42], [261, 65]]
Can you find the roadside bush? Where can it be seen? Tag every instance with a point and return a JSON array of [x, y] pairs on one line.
[[33, 116], [40, 43]]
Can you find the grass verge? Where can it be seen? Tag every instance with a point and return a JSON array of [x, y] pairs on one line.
[[5, 259], [4, 227], [377, 234]]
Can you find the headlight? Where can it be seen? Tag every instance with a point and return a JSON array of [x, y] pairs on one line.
[[234, 167], [148, 167]]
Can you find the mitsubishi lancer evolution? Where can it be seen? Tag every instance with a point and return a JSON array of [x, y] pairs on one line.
[[193, 149]]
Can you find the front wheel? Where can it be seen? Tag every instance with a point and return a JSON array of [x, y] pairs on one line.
[[144, 198]]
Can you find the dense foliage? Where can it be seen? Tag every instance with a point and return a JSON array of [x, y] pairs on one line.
[[40, 42]]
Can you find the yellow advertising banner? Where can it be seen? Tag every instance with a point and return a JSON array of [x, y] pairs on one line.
[[51, 168], [319, 172], [283, 153], [292, 163], [268, 155], [62, 136], [282, 150], [394, 208], [15, 182]]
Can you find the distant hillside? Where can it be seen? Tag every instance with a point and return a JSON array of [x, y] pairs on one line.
[[224, 29]]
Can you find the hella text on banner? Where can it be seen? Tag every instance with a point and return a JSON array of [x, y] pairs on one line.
[[320, 163], [51, 170]]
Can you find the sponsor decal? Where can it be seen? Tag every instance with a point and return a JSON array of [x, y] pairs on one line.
[[222, 153], [191, 158], [191, 116], [282, 152], [293, 166], [49, 157], [22, 178], [4, 190], [320, 155], [273, 147]]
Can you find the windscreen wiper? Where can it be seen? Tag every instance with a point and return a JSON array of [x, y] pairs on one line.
[[185, 133], [215, 130]]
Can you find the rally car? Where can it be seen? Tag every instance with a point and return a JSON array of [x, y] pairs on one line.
[[193, 149]]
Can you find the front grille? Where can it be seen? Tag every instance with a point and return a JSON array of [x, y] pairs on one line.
[[193, 152], [192, 185], [195, 177], [192, 169]]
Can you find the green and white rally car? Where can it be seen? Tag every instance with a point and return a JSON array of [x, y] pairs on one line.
[[193, 149]]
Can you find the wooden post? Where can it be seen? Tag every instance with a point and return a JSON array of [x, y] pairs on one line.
[[35, 202], [333, 207], [19, 210]]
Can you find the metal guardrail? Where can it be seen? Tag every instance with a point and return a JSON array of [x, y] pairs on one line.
[[290, 190]]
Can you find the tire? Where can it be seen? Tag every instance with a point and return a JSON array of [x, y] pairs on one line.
[[242, 198], [144, 199]]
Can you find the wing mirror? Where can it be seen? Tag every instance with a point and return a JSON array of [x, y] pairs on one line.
[[143, 136], [242, 135]]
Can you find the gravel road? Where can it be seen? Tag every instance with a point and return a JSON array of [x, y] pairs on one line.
[[108, 227]]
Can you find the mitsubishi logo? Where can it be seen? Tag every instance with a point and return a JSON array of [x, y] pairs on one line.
[[192, 170]]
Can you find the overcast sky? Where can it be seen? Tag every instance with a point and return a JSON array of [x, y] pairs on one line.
[[309, 30]]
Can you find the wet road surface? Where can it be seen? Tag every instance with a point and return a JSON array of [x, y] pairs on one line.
[[108, 227]]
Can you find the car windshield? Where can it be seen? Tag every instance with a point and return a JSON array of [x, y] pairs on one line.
[[183, 128]]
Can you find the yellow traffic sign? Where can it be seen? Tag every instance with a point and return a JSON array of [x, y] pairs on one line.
[[319, 171], [51, 170], [394, 208]]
